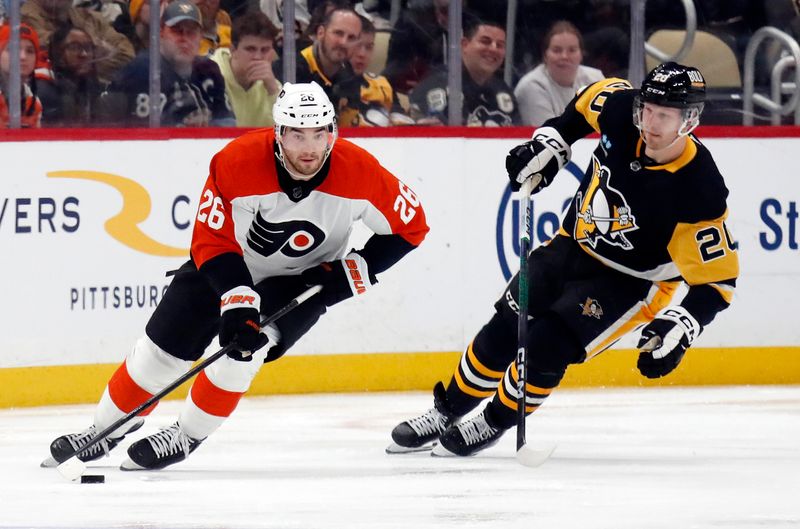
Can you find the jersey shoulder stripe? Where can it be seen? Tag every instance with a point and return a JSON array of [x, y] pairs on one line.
[[590, 100]]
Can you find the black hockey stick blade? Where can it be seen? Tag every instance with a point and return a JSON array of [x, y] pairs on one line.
[[73, 468]]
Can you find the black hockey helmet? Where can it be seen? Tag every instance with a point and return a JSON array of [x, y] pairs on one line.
[[674, 85]]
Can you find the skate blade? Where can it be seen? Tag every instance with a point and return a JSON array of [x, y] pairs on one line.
[[129, 466], [49, 463], [395, 448], [440, 451]]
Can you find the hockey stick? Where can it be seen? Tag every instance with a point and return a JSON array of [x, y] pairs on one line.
[[526, 455], [73, 468]]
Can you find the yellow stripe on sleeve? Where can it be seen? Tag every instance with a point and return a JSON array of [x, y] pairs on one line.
[[703, 252], [591, 101]]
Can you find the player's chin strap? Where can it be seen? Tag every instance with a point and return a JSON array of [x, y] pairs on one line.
[[334, 131]]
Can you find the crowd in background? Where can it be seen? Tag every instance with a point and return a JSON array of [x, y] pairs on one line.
[[86, 63]]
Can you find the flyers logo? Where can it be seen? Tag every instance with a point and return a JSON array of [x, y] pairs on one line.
[[293, 238], [602, 213]]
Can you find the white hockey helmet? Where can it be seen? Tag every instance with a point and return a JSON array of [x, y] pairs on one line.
[[303, 106]]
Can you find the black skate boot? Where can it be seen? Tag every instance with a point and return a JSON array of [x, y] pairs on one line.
[[468, 437], [416, 435], [64, 446], [166, 447]]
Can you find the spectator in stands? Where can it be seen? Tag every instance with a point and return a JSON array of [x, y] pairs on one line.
[[116, 12], [216, 27], [192, 87], [544, 92], [318, 15], [379, 105], [112, 49], [487, 100], [31, 107], [140, 19], [326, 60], [70, 97], [418, 44], [250, 83], [274, 11]]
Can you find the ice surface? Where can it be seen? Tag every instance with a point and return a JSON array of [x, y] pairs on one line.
[[676, 458]]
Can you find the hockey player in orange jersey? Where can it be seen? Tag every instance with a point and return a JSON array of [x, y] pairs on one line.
[[649, 213], [274, 218]]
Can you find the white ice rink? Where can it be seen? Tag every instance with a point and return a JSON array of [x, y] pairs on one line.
[[710, 458]]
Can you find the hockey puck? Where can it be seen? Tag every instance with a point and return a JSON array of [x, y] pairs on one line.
[[93, 478]]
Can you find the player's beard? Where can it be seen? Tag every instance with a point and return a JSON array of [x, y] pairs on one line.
[[301, 169]]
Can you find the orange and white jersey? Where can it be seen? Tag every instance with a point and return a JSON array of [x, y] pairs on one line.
[[282, 226]]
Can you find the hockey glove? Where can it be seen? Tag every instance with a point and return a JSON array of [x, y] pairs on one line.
[[541, 159], [239, 323], [664, 341], [340, 279]]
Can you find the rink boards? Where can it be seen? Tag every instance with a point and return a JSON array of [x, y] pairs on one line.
[[89, 228]]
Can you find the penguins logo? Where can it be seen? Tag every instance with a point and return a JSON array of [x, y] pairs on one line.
[[591, 307], [603, 213]]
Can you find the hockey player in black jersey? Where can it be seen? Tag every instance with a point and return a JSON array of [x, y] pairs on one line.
[[649, 213]]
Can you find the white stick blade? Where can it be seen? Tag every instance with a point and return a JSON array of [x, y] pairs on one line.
[[72, 469], [534, 457]]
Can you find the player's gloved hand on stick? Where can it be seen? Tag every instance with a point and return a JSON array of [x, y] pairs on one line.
[[664, 341], [239, 324], [541, 159], [340, 279]]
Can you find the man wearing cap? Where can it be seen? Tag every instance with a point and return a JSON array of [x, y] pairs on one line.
[[192, 87], [31, 111], [113, 51]]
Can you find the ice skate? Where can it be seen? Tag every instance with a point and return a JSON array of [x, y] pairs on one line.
[[469, 437], [418, 434], [64, 446], [166, 447]]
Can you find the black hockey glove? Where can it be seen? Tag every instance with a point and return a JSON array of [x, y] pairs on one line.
[[541, 159], [239, 323], [664, 341], [340, 279]]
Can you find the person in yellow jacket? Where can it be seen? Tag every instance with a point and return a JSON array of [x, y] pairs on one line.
[[250, 84], [216, 27]]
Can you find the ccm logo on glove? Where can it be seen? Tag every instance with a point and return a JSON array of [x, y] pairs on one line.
[[665, 340]]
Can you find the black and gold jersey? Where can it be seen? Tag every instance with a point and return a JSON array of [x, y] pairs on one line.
[[658, 222]]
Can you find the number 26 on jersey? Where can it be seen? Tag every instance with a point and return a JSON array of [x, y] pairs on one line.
[[405, 203], [211, 211]]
